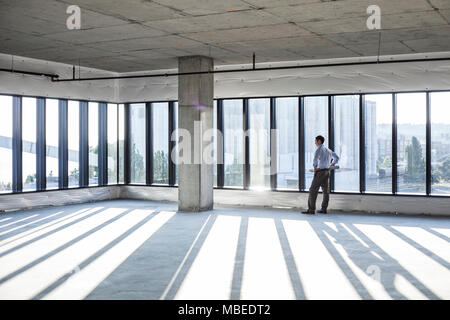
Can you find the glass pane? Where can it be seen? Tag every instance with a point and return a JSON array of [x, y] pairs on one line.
[[74, 142], [411, 134], [175, 154], [29, 143], [6, 144], [440, 143], [160, 135], [137, 143], [287, 142], [93, 143], [316, 123], [378, 110], [346, 132], [215, 142], [121, 142], [233, 143], [259, 141], [52, 135], [112, 143]]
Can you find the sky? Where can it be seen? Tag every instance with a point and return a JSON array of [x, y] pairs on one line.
[[411, 107]]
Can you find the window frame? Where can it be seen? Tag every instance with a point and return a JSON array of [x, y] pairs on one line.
[[17, 141]]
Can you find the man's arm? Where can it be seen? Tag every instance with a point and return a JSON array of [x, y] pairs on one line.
[[316, 159], [335, 158]]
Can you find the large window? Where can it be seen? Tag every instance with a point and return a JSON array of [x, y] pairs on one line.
[[73, 142], [93, 143], [316, 123], [346, 139], [233, 143], [160, 135], [378, 132], [259, 141], [137, 143], [215, 142], [29, 143], [51, 139], [411, 138], [411, 117], [287, 142], [121, 143], [6, 144], [112, 143], [440, 143], [175, 153]]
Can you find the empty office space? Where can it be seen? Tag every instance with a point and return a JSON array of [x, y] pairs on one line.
[[225, 150]]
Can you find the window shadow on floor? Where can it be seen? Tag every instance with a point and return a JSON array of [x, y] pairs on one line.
[[47, 233], [363, 258], [158, 264], [61, 246], [433, 255], [158, 267]]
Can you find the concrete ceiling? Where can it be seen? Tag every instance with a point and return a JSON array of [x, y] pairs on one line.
[[134, 35]]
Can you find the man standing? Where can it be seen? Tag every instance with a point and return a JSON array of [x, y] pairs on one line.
[[323, 159]]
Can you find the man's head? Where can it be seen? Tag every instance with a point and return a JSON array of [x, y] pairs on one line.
[[319, 140]]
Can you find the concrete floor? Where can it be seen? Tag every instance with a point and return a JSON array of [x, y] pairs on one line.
[[128, 249]]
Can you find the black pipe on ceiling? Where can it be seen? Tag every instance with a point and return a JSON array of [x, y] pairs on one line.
[[56, 79], [31, 73]]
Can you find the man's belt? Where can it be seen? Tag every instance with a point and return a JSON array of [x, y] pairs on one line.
[[330, 168]]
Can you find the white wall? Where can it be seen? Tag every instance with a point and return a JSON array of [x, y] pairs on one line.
[[13, 83], [29, 200], [435, 206]]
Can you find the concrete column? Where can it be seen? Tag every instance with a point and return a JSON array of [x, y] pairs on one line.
[[195, 110]]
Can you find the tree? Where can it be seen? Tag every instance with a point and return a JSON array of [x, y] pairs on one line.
[[30, 179], [415, 168], [387, 163], [160, 167], [4, 186], [445, 170], [383, 165], [93, 171], [442, 172], [138, 172], [74, 173], [234, 173], [112, 153]]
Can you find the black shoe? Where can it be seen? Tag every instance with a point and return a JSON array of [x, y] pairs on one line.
[[324, 211], [308, 212]]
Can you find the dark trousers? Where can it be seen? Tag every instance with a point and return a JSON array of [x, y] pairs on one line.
[[321, 179]]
